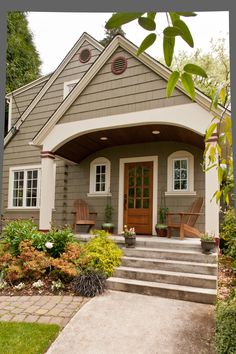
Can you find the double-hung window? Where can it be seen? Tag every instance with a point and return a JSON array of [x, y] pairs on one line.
[[24, 187], [180, 174], [99, 177]]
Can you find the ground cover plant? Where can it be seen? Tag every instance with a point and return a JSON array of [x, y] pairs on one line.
[[30, 338], [32, 262]]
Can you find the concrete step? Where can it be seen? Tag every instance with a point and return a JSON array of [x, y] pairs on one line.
[[170, 277], [181, 255], [170, 265], [180, 292]]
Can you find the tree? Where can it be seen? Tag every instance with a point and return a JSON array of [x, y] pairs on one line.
[[22, 59], [187, 73], [110, 34]]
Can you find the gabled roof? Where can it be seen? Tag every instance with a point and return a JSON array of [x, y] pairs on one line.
[[146, 59], [85, 37]]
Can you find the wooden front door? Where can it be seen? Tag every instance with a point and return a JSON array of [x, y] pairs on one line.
[[138, 196]]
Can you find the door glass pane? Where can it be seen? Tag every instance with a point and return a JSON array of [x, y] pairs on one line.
[[146, 181], [131, 192], [146, 203], [146, 192], [139, 171], [138, 204], [131, 172], [131, 203], [138, 181], [131, 181], [139, 192]]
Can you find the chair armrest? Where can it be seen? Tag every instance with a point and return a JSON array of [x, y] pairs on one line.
[[183, 213], [94, 213]]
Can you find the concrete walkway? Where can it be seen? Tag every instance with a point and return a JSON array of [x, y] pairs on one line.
[[41, 309], [125, 323]]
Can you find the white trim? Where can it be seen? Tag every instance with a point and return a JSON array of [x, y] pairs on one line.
[[160, 69], [123, 161], [171, 115], [180, 155], [9, 113], [92, 180], [55, 74], [66, 90], [100, 194], [10, 186]]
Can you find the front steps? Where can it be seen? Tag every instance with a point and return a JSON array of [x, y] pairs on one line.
[[168, 268]]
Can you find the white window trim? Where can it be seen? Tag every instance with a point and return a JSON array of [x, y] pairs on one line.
[[9, 101], [92, 179], [10, 187], [66, 88], [178, 155]]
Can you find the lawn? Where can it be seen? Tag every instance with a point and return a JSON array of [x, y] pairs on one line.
[[26, 338]]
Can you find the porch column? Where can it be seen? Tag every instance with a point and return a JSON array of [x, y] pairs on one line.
[[211, 185], [47, 190]]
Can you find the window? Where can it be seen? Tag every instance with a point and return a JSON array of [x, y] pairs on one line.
[[24, 187], [180, 174], [68, 87], [100, 177]]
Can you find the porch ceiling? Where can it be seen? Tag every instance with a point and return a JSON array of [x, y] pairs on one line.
[[79, 148]]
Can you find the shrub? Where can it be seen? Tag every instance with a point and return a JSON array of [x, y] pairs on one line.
[[225, 338], [103, 252], [228, 233], [59, 238], [90, 283], [16, 231]]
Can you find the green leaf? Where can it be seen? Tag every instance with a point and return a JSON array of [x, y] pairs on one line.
[[168, 49], [215, 99], [122, 18], [188, 84], [220, 174], [210, 130], [222, 95], [147, 23], [172, 82], [195, 69], [174, 16], [186, 34], [151, 15], [146, 43], [186, 14], [172, 31]]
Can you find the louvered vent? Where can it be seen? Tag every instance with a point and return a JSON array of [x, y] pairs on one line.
[[85, 55], [119, 65]]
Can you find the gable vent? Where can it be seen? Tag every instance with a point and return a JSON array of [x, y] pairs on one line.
[[85, 55], [119, 65]]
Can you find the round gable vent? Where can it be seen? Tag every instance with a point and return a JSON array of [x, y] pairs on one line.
[[85, 55], [119, 65]]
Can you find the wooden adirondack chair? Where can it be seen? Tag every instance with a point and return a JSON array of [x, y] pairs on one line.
[[82, 215], [186, 221]]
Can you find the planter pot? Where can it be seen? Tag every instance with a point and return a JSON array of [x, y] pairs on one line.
[[161, 232], [130, 242], [109, 227], [208, 246]]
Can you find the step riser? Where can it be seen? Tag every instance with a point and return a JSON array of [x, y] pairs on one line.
[[164, 245], [167, 293], [166, 278], [201, 258], [188, 268]]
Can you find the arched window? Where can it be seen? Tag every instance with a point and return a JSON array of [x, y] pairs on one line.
[[100, 172], [180, 173]]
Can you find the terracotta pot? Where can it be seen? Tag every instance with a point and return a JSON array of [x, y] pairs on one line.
[[161, 232]]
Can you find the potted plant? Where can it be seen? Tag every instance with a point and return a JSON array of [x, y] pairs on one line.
[[161, 227], [130, 236], [207, 243], [108, 225]]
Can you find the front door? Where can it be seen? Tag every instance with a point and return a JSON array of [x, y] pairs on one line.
[[138, 196]]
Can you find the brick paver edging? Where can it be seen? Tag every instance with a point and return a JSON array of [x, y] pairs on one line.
[[41, 309]]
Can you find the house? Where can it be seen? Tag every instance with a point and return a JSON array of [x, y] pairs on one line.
[[100, 128]]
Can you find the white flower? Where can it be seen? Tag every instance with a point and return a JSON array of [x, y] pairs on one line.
[[19, 286], [49, 245], [38, 284]]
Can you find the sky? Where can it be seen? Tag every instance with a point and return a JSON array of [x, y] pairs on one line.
[[55, 33]]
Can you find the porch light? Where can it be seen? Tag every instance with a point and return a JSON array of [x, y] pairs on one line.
[[155, 132], [104, 138]]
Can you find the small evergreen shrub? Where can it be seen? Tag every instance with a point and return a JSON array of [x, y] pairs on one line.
[[90, 283], [225, 338], [59, 239], [228, 233], [104, 254]]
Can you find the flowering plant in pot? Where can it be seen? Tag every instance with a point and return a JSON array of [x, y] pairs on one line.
[[129, 235], [207, 243], [161, 227]]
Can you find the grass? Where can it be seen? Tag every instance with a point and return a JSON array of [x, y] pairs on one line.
[[26, 338]]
